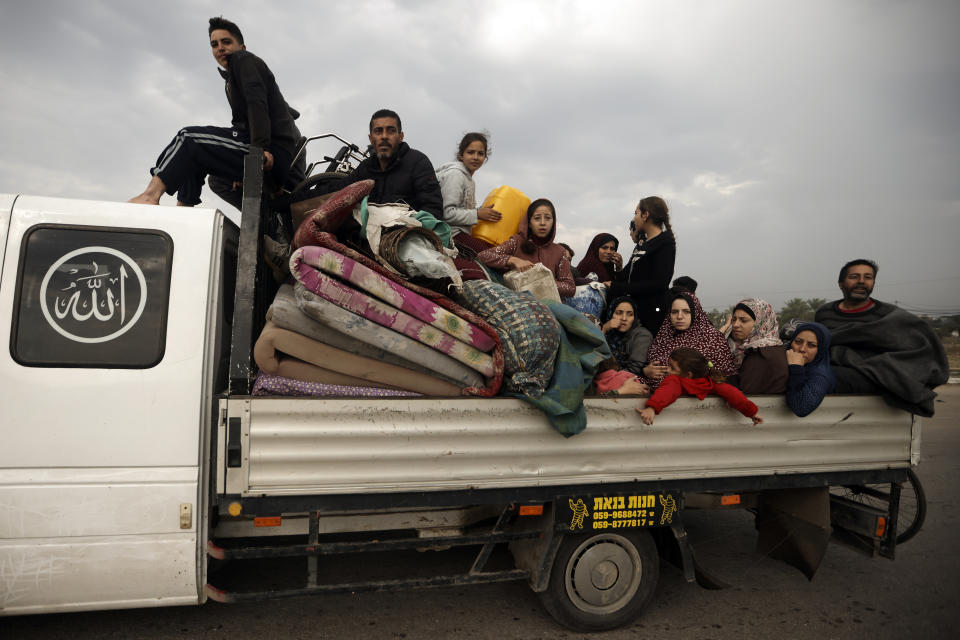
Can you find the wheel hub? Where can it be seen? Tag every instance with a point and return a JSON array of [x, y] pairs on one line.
[[603, 574]]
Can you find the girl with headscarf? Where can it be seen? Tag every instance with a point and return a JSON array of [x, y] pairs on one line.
[[810, 376], [629, 341], [601, 258], [686, 325], [534, 243], [758, 355]]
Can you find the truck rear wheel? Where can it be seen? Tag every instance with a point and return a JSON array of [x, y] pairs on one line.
[[601, 581]]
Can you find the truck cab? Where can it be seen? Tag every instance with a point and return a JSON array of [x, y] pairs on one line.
[[112, 317]]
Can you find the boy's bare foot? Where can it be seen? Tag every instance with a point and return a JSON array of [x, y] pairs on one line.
[[151, 195], [144, 198]]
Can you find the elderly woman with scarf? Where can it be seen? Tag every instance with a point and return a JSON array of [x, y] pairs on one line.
[[758, 354], [628, 339], [534, 243], [686, 325], [602, 259], [810, 375]]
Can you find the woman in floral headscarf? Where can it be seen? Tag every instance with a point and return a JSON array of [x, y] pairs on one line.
[[686, 325], [758, 354]]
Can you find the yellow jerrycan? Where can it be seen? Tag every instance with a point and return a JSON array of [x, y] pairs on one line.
[[512, 205]]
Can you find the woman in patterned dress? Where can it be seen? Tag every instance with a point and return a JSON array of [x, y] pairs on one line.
[[686, 325]]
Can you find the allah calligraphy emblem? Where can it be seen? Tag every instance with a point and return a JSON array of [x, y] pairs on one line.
[[93, 294]]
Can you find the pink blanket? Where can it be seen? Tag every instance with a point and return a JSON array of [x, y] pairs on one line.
[[396, 295]]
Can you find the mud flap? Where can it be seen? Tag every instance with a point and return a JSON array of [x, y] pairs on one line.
[[687, 561], [794, 526], [536, 555]]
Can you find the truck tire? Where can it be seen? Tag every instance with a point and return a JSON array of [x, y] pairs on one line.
[[601, 581]]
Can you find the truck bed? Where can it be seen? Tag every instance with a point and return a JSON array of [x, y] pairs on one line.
[[299, 446]]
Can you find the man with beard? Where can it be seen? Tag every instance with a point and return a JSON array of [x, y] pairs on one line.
[[400, 174], [876, 347]]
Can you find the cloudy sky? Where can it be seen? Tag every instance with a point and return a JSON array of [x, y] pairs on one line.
[[787, 137]]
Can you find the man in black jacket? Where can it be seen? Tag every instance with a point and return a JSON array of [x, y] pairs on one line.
[[261, 118], [400, 174], [877, 347]]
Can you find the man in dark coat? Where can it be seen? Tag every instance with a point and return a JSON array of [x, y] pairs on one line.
[[261, 118], [879, 348], [400, 174]]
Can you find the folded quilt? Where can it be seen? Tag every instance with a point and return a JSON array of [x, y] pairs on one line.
[[394, 294], [267, 385], [528, 332], [385, 315], [273, 339]]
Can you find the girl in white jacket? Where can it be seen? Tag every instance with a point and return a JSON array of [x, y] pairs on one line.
[[460, 209]]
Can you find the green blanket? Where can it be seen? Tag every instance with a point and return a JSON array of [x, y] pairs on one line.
[[582, 349]]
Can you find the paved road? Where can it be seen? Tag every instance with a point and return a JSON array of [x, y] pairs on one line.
[[915, 596]]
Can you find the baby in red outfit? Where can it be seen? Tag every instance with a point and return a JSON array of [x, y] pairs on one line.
[[690, 373]]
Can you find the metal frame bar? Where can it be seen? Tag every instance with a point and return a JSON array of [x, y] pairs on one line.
[[273, 505], [318, 549], [314, 549], [509, 575], [248, 253]]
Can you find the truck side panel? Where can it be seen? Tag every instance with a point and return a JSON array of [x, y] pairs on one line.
[[100, 468], [322, 447]]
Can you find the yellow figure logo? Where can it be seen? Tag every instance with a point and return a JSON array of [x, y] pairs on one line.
[[669, 508], [579, 513]]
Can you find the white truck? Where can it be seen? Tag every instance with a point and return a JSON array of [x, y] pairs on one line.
[[136, 470]]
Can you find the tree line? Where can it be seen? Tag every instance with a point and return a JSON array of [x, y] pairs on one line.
[[799, 308], [804, 309]]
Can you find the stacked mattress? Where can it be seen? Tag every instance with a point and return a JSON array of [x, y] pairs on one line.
[[349, 327]]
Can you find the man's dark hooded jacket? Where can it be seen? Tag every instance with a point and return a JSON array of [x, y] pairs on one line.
[[409, 177]]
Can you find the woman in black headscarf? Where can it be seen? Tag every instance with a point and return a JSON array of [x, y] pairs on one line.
[[601, 258], [629, 341]]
